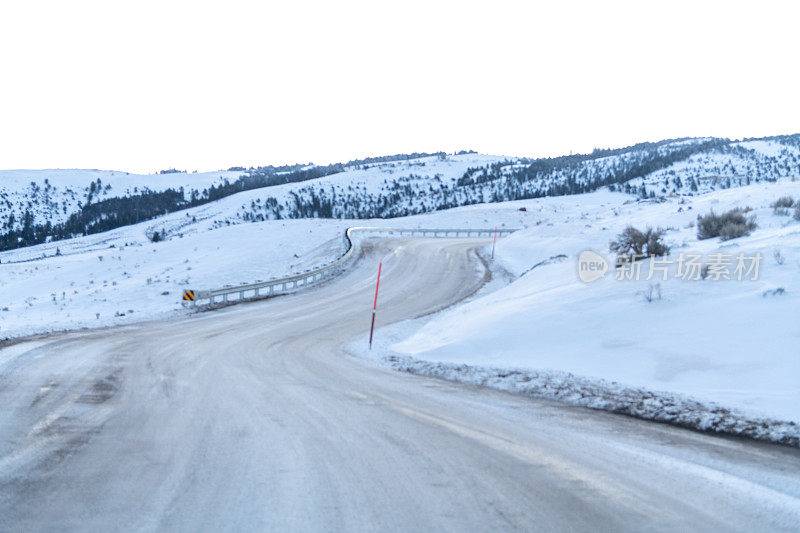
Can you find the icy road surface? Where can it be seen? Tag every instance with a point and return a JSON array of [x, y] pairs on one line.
[[254, 418]]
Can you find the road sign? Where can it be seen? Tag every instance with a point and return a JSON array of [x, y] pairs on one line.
[[188, 295]]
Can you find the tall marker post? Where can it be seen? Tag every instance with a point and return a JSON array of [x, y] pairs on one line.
[[494, 241], [375, 305]]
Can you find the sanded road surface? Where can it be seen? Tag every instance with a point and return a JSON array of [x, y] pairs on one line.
[[254, 418]]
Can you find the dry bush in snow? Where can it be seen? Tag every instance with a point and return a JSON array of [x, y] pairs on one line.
[[633, 244], [729, 225]]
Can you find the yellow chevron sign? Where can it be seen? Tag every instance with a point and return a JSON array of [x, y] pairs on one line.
[[188, 295]]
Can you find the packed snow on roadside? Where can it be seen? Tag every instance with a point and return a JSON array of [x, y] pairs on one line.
[[120, 276], [722, 355]]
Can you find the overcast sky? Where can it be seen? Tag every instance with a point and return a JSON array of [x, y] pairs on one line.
[[143, 86]]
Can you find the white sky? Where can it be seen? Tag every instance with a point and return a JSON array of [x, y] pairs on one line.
[[143, 86]]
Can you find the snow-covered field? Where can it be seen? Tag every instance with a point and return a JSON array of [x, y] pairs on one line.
[[731, 343], [120, 276]]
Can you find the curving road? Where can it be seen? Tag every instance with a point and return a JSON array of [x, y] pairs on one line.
[[254, 418]]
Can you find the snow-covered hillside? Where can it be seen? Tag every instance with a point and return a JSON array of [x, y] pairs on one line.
[[726, 342], [738, 164], [40, 206], [684, 166], [120, 276], [53, 195]]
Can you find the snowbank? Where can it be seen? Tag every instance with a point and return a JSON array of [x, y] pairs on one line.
[[724, 353]]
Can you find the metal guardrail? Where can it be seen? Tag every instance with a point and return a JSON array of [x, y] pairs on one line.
[[291, 283]]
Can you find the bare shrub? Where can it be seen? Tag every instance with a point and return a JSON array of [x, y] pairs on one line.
[[633, 244], [652, 294], [730, 225], [781, 205], [780, 291], [778, 257]]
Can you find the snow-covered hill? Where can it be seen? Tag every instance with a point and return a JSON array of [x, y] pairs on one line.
[[39, 206], [736, 165], [684, 166], [728, 343], [53, 195]]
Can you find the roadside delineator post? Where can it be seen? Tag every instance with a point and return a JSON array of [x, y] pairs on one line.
[[494, 241], [375, 305]]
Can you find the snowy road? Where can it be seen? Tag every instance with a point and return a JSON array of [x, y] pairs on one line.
[[254, 418]]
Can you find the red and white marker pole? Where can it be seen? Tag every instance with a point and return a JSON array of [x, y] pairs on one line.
[[494, 241], [375, 305]]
